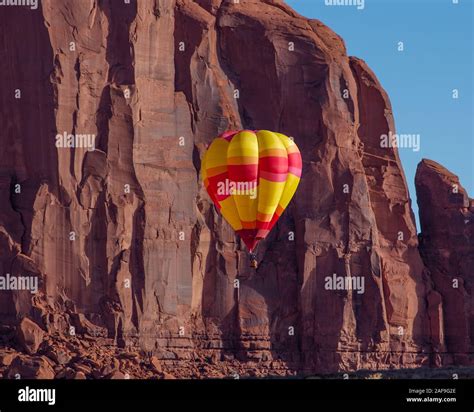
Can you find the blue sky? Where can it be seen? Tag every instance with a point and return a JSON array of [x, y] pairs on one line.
[[437, 58]]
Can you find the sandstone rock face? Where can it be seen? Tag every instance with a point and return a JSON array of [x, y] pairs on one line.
[[30, 336], [447, 247], [128, 248]]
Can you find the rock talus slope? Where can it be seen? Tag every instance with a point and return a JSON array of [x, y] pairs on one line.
[[125, 241]]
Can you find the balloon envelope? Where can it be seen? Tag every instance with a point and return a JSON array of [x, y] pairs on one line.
[[251, 177]]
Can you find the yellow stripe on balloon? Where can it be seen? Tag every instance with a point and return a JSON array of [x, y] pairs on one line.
[[292, 181], [214, 161], [229, 211], [273, 152], [242, 160], [289, 144], [244, 145], [216, 154], [290, 188], [269, 192]]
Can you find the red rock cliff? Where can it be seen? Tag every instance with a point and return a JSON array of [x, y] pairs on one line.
[[447, 247], [126, 242]]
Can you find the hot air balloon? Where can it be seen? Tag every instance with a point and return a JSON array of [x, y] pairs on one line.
[[251, 177]]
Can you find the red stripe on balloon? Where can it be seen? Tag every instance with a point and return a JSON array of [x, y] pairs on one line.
[[229, 135], [262, 233], [294, 171], [243, 173], [273, 177], [248, 237], [273, 164], [275, 218], [295, 164], [217, 187]]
